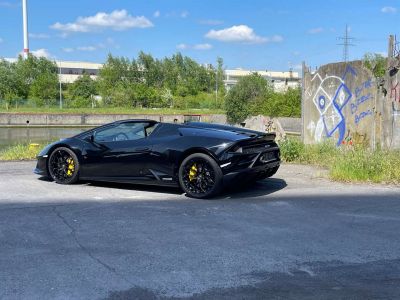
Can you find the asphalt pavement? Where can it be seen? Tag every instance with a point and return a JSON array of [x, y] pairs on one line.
[[297, 235]]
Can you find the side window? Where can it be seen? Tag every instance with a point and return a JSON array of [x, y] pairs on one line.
[[122, 132]]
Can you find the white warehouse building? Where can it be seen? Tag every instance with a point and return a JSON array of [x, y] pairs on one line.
[[281, 81], [69, 71]]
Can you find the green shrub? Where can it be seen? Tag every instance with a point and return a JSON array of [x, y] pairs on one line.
[[345, 164], [292, 150]]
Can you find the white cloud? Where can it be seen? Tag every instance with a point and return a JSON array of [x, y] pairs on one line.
[[389, 10], [316, 30], [156, 14], [68, 50], [184, 14], [6, 4], [39, 36], [211, 22], [204, 46], [117, 20], [86, 48], [41, 53], [240, 34], [182, 46]]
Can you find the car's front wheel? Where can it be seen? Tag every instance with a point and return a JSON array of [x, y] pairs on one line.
[[200, 176], [63, 166]]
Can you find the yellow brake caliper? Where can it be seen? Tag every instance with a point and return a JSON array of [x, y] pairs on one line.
[[71, 167], [192, 172]]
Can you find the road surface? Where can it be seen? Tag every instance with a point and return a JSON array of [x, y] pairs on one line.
[[294, 236]]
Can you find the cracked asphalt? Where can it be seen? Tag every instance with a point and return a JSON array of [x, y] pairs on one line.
[[294, 236]]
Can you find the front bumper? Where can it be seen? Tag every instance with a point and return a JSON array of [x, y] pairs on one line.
[[41, 166]]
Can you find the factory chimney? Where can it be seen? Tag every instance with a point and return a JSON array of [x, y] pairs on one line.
[[25, 26]]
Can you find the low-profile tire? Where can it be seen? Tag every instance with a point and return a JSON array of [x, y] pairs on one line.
[[63, 166], [205, 181]]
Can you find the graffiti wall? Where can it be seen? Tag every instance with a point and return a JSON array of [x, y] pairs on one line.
[[339, 104], [391, 105]]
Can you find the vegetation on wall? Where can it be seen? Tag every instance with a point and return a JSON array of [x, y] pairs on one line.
[[376, 63]]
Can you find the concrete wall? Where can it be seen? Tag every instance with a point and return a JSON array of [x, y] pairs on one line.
[[9, 119], [339, 103], [390, 105]]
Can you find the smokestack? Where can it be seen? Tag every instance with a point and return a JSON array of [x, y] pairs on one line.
[[25, 24]]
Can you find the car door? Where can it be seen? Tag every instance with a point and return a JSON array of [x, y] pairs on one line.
[[119, 151]]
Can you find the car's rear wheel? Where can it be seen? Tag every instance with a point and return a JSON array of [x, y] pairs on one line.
[[200, 176], [63, 166]]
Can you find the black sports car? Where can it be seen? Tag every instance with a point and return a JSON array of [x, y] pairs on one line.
[[198, 157]]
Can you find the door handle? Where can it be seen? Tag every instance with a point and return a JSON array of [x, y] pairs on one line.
[[142, 149]]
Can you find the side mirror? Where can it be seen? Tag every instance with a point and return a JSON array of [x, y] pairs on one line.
[[90, 138]]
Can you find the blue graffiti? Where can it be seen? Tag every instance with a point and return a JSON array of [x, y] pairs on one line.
[[365, 85], [331, 97], [341, 125], [362, 115], [359, 101]]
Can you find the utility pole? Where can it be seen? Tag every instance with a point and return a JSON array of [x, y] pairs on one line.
[[25, 28], [59, 79], [346, 43], [216, 87]]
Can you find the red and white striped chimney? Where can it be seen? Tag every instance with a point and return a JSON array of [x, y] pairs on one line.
[[25, 25]]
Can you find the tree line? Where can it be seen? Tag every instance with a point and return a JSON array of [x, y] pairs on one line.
[[177, 81]]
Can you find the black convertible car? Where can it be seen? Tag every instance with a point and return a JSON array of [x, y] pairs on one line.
[[198, 157]]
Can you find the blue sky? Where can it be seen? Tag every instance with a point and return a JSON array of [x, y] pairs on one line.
[[255, 34]]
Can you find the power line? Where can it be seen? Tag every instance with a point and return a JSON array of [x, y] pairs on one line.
[[347, 42]]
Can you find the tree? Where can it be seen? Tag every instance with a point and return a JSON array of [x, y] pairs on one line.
[[114, 72], [81, 91], [44, 89], [10, 85], [287, 104], [246, 97], [376, 63]]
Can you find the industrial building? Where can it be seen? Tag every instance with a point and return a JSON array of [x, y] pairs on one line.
[[281, 81], [69, 71]]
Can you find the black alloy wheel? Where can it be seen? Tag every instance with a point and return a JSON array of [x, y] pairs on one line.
[[63, 166], [200, 176]]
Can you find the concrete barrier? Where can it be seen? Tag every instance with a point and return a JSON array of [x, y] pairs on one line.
[[15, 119]]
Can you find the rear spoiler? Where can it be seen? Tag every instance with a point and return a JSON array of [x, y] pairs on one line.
[[239, 130]]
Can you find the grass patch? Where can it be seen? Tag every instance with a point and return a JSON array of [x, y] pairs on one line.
[[345, 164], [113, 110], [21, 152]]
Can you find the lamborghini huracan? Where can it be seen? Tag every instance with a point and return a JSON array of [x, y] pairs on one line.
[[198, 157]]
